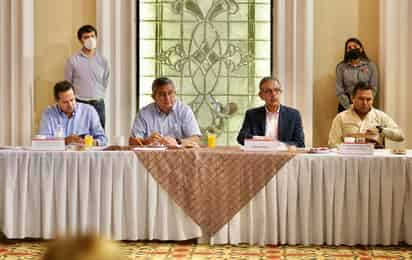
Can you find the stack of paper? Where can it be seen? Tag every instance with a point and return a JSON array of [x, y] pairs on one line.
[[354, 148], [263, 144], [48, 144]]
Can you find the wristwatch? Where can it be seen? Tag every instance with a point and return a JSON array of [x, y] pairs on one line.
[[380, 128]]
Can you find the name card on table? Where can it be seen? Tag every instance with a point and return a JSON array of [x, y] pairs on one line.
[[262, 144], [48, 144], [356, 148]]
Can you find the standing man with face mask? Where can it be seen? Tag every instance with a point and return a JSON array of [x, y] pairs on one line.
[[89, 72]]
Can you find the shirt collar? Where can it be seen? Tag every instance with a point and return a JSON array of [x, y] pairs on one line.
[[361, 63], [161, 112], [82, 54], [62, 113], [277, 111], [354, 112]]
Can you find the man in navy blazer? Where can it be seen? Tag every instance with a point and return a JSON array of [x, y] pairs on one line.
[[273, 119]]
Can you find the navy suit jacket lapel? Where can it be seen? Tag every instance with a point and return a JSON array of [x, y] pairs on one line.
[[281, 121], [262, 120]]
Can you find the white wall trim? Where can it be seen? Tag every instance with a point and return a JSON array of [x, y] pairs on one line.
[[116, 22], [395, 60], [293, 32], [16, 71]]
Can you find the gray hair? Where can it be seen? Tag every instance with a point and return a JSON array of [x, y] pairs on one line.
[[161, 82], [266, 79]]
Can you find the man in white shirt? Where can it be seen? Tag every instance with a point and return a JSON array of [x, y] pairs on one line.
[[362, 118]]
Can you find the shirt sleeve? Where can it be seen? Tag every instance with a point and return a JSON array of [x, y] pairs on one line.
[[68, 71], [391, 130], [96, 128], [374, 77], [340, 89], [46, 124], [139, 128], [106, 74], [190, 125], [335, 133]]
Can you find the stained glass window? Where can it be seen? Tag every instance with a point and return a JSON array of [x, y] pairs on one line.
[[215, 51]]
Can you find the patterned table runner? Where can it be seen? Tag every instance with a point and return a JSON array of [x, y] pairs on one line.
[[212, 185]]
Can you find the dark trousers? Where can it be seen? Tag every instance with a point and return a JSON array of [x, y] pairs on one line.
[[100, 108]]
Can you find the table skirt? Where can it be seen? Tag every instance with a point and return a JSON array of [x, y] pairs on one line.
[[314, 199]]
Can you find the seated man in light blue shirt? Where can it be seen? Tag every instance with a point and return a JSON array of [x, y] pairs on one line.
[[165, 121], [70, 119]]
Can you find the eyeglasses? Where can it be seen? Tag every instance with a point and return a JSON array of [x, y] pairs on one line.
[[165, 93], [272, 90]]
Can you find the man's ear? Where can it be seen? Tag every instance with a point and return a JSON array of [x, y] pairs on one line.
[[261, 95]]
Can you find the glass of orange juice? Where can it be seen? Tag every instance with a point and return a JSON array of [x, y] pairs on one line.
[[88, 141], [211, 140]]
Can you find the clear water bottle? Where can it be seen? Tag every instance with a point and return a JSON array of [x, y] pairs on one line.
[[59, 131]]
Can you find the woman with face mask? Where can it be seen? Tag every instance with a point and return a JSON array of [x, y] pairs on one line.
[[354, 68]]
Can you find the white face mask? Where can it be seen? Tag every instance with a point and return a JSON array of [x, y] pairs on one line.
[[90, 43]]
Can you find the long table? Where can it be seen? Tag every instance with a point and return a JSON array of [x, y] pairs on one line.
[[314, 199]]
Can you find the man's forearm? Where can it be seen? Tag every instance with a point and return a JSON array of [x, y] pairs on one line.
[[393, 134], [101, 140]]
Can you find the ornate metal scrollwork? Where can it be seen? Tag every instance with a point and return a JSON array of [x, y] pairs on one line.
[[205, 58]]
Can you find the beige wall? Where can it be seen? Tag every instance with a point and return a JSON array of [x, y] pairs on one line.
[[55, 27], [57, 21], [335, 22]]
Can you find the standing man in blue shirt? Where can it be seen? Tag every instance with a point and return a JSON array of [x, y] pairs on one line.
[[69, 119], [89, 72], [165, 121]]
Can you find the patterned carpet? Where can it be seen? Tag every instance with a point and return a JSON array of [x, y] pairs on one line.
[[138, 250]]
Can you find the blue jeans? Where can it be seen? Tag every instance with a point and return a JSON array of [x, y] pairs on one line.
[[98, 104]]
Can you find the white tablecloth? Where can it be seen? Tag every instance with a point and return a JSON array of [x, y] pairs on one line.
[[314, 199]]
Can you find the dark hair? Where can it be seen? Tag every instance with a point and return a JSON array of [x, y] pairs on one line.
[[361, 86], [269, 78], [62, 86], [161, 82], [357, 41], [85, 29]]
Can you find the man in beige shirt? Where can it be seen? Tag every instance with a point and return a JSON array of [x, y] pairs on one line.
[[362, 118]]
